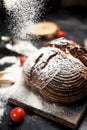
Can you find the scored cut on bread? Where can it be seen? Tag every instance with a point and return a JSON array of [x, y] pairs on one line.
[[57, 73]]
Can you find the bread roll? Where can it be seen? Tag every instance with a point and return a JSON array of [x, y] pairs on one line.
[[57, 74]]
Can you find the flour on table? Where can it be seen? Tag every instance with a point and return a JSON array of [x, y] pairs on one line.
[[15, 74], [22, 13]]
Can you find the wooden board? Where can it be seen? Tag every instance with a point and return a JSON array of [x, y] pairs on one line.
[[68, 115]]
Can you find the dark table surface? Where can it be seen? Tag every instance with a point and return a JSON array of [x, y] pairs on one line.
[[74, 23]]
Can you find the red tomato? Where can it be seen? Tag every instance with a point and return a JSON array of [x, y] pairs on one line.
[[22, 60], [60, 34], [17, 114]]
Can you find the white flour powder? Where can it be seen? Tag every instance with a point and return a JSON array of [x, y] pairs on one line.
[[23, 13], [6, 91], [15, 73]]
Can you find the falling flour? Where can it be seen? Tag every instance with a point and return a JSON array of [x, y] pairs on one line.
[[23, 13]]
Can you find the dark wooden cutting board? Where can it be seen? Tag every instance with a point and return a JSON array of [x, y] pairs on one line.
[[68, 115]]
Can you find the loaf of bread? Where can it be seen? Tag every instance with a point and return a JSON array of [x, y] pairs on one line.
[[58, 71]]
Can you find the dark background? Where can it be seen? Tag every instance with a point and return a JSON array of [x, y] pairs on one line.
[[72, 18]]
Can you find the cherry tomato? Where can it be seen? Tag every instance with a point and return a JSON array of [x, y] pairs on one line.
[[22, 60], [60, 34], [17, 114]]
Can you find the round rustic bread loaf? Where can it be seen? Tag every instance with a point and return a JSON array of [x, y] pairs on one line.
[[57, 74]]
